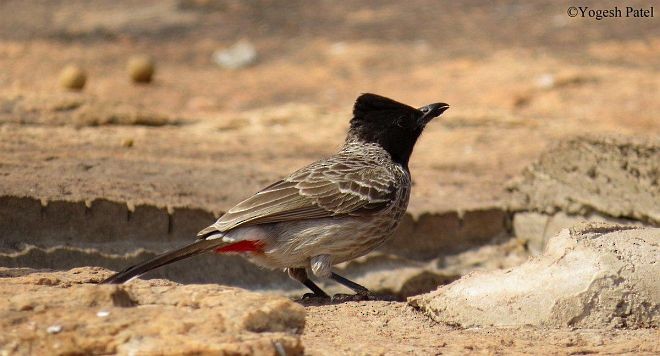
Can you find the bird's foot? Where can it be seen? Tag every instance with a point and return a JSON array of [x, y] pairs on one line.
[[360, 297], [315, 296]]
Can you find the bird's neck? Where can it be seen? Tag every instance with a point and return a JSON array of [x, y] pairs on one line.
[[354, 144]]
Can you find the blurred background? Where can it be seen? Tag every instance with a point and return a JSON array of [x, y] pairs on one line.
[[126, 126], [475, 54]]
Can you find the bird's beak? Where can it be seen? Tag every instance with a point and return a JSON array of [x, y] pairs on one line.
[[431, 111]]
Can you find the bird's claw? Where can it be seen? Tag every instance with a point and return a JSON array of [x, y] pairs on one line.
[[314, 296]]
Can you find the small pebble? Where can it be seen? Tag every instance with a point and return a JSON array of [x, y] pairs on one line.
[[73, 77], [102, 313], [54, 329], [545, 81], [141, 68], [128, 142], [241, 54], [26, 307]]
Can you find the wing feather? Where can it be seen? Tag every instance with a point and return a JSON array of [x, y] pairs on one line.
[[323, 189]]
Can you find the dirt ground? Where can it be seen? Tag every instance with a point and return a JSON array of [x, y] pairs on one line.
[[392, 328], [136, 317], [519, 76]]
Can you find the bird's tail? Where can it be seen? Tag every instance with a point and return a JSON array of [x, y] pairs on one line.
[[139, 269]]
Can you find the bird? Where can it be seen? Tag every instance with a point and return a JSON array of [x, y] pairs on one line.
[[331, 211]]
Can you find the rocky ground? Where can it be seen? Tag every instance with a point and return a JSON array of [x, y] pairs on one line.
[[68, 313], [119, 171], [65, 312]]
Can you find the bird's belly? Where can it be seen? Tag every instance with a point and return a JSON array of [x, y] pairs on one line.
[[292, 244]]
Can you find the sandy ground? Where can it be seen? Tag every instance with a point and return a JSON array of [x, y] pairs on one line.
[[511, 95], [392, 328], [124, 319]]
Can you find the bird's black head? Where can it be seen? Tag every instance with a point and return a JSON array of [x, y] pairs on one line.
[[392, 125]]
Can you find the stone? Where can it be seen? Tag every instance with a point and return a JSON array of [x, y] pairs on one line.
[[534, 229], [530, 229], [45, 312], [240, 55], [141, 68], [594, 275], [613, 176], [73, 77]]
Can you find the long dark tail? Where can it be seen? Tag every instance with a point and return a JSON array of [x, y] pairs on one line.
[[139, 269]]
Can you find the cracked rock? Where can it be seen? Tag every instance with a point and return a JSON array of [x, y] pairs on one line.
[[593, 275]]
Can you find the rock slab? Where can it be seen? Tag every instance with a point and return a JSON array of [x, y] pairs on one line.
[[590, 276], [614, 176], [56, 313]]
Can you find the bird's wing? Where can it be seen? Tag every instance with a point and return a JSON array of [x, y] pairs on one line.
[[324, 189]]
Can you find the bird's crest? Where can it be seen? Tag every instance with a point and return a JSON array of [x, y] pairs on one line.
[[371, 104]]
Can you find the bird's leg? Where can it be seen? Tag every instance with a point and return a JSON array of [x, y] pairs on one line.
[[359, 289], [321, 266], [361, 292], [300, 275]]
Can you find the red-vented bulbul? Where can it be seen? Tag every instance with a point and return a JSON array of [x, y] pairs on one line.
[[329, 212]]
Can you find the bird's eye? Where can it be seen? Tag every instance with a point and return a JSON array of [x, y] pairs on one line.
[[401, 122], [424, 109]]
